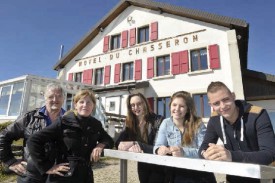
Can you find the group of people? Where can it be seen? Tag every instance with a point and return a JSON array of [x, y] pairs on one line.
[[58, 146], [245, 131], [61, 146]]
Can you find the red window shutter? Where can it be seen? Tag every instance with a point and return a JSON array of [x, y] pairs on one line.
[[151, 102], [107, 74], [117, 73], [70, 76], [175, 63], [138, 69], [184, 61], [150, 67], [124, 39], [88, 76], [180, 62], [132, 36], [154, 31], [214, 56], [106, 44]]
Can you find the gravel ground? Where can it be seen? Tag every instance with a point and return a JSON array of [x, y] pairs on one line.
[[108, 171]]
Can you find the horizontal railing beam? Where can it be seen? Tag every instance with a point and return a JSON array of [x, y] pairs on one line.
[[222, 167]]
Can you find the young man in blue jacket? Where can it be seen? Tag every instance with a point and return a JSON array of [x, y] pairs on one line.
[[245, 130]]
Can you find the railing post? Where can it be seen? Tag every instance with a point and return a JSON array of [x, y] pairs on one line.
[[123, 171]]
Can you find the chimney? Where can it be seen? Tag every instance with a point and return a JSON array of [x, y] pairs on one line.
[[61, 51]]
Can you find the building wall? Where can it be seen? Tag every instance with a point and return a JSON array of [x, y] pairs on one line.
[[174, 34]]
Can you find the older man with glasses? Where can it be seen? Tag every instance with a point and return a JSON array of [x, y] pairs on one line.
[[26, 125]]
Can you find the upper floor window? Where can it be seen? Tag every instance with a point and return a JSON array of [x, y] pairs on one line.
[[199, 59], [163, 106], [78, 77], [202, 107], [127, 71], [99, 76], [115, 42], [143, 34], [163, 65]]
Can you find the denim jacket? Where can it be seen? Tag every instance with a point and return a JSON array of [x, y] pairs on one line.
[[170, 135]]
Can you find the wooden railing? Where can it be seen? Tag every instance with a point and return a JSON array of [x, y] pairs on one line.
[[262, 172]]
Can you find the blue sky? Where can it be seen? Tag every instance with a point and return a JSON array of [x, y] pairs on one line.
[[32, 31]]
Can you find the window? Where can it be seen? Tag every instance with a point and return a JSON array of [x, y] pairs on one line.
[[78, 77], [99, 76], [112, 106], [69, 102], [199, 59], [163, 106], [143, 34], [115, 42], [202, 107], [16, 98], [36, 98], [4, 99], [163, 65], [11, 98], [127, 71], [271, 114]]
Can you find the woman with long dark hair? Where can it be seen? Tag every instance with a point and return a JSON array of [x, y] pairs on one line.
[[139, 136]]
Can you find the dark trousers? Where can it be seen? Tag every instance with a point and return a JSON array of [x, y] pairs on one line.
[[31, 179], [237, 179], [179, 175], [150, 173]]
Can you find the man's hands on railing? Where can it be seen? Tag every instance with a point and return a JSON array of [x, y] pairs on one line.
[[131, 146], [216, 152], [19, 167], [172, 150]]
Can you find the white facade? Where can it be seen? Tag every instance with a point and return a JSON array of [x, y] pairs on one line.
[[189, 33], [175, 33]]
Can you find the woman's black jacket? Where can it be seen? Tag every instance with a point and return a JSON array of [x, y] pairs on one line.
[[76, 137]]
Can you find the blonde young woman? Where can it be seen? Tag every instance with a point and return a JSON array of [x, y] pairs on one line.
[[139, 135], [181, 135], [80, 139]]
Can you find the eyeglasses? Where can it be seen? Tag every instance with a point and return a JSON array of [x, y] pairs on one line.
[[133, 105]]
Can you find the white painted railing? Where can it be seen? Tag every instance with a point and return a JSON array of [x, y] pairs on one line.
[[262, 172]]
